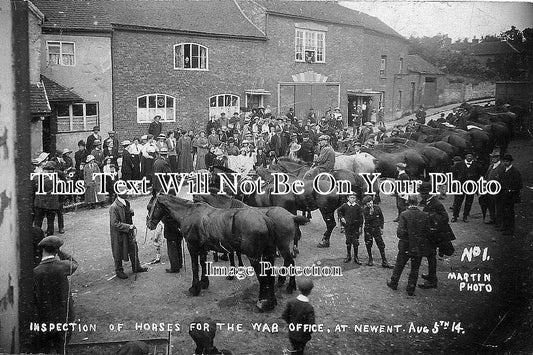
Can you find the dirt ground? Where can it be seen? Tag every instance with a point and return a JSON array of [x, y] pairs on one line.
[[495, 321]]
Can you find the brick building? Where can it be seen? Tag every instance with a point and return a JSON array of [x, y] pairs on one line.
[[189, 60]]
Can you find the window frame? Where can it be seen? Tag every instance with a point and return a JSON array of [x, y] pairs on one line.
[[401, 65], [311, 38], [163, 112], [87, 127], [200, 47], [61, 43], [383, 66]]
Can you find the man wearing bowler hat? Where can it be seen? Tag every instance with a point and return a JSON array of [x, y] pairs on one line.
[[494, 172], [123, 234], [52, 293], [511, 184]]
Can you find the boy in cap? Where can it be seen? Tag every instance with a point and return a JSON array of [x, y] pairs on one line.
[[299, 312], [351, 215], [52, 293], [373, 228]]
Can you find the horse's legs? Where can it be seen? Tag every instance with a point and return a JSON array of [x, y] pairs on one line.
[[239, 257], [261, 279], [270, 282], [287, 261], [232, 264], [195, 288], [204, 280], [329, 219], [297, 236]]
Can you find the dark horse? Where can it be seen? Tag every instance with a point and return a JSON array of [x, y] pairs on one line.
[[285, 225], [207, 228]]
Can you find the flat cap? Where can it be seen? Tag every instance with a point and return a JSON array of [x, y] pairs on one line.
[[126, 142], [425, 188], [51, 241], [144, 137], [324, 137], [367, 199], [97, 141], [369, 123], [90, 158], [161, 136], [507, 157], [66, 151], [401, 165], [49, 165], [163, 150], [112, 132]]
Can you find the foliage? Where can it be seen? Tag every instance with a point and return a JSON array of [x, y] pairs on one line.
[[454, 58]]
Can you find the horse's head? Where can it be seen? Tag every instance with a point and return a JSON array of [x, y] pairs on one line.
[[155, 213]]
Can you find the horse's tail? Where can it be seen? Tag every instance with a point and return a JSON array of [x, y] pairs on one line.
[[300, 220]]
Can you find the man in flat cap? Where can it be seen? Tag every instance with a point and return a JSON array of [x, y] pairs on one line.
[[440, 231], [155, 127], [52, 293], [511, 183], [123, 234], [325, 161]]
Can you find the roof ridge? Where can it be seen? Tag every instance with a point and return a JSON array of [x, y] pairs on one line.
[[247, 18]]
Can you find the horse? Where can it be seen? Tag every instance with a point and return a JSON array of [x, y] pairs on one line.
[[310, 199], [207, 228], [285, 224]]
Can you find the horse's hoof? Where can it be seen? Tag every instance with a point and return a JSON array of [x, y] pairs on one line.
[[194, 291], [230, 277]]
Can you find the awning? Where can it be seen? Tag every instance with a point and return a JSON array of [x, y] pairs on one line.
[[363, 92], [57, 92], [258, 92]]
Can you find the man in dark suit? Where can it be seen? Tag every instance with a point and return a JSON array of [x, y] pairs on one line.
[[440, 231], [278, 143], [494, 172], [92, 138], [463, 171], [413, 231], [161, 166], [123, 243], [127, 162], [155, 127], [47, 204], [52, 293], [172, 234], [511, 183]]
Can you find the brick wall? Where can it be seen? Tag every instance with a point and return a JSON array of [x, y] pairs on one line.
[[143, 63]]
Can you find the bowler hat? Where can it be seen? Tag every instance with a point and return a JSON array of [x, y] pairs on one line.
[[507, 157], [51, 241]]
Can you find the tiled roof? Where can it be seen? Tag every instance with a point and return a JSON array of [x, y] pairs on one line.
[[75, 14], [38, 101], [211, 17], [56, 92], [492, 48], [329, 11], [417, 64]]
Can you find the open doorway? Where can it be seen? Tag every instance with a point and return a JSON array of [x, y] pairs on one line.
[[367, 100]]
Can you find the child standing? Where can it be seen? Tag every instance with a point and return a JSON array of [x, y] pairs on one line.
[[157, 241], [374, 223], [351, 215], [299, 312]]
